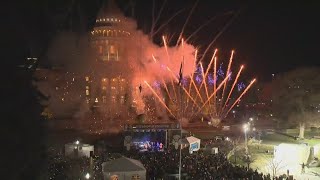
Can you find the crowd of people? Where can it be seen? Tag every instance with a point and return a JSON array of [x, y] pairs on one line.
[[163, 165]]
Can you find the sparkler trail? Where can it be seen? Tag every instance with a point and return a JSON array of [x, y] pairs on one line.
[[231, 90], [159, 98], [248, 87]]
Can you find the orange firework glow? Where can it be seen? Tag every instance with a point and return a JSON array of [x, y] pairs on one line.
[[154, 92], [228, 71]]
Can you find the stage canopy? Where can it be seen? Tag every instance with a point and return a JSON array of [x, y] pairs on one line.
[[123, 168]]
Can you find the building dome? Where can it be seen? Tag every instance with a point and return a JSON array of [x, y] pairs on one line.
[[110, 22]]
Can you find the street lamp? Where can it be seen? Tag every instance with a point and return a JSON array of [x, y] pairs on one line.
[[251, 119], [246, 128], [87, 176], [77, 142]]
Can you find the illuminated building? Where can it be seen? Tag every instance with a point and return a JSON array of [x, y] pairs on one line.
[[107, 88]]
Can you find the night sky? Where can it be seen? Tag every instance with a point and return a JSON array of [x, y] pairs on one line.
[[269, 37]]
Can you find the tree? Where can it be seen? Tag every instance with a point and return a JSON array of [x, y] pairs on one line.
[[296, 97]]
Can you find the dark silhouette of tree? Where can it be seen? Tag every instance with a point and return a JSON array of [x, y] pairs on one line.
[[296, 97]]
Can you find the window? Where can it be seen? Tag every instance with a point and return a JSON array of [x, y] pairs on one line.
[[87, 78], [87, 87], [87, 92], [113, 99], [112, 49], [122, 100], [104, 99], [100, 49], [104, 88]]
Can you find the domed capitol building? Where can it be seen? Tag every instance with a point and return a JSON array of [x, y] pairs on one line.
[[101, 96]]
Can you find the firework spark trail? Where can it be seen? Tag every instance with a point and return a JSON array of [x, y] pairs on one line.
[[166, 47], [166, 88], [205, 24], [187, 20], [157, 19], [231, 90], [166, 23], [225, 84], [204, 80], [248, 87], [219, 34], [173, 87], [214, 92], [209, 66], [153, 91], [215, 82], [194, 65], [184, 89], [154, 58]]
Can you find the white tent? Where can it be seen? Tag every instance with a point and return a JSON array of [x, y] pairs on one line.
[[123, 168], [192, 142]]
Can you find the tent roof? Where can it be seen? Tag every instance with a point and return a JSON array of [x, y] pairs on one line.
[[123, 164], [192, 139]]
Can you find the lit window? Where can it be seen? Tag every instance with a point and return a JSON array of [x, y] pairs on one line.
[[122, 100], [87, 87], [113, 99], [96, 100], [111, 19], [113, 87], [87, 78], [100, 49], [87, 92], [104, 88], [104, 79], [112, 49], [114, 79]]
